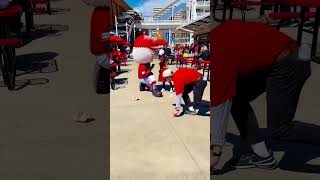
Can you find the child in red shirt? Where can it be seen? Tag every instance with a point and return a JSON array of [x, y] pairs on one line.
[[163, 67]]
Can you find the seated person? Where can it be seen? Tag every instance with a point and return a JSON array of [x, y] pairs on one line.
[[204, 53]]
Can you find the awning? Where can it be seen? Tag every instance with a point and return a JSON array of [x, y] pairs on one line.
[[202, 24]]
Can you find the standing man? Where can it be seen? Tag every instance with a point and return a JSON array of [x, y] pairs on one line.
[[249, 59], [186, 80]]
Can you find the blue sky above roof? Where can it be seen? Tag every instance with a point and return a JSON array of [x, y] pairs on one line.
[[146, 6]]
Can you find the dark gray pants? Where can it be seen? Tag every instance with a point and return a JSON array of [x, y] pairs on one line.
[[198, 89], [282, 83]]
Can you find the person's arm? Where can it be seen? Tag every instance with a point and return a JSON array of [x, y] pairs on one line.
[[218, 128], [145, 74], [178, 101], [178, 105], [219, 123]]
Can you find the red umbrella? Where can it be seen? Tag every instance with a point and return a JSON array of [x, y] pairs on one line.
[[161, 42], [127, 44], [116, 40]]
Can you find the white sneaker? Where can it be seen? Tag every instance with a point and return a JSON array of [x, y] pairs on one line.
[[171, 90], [192, 111], [163, 90]]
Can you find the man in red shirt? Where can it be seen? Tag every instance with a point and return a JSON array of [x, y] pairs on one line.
[[249, 59], [184, 81]]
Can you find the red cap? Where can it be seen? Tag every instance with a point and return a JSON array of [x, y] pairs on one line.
[[145, 41]]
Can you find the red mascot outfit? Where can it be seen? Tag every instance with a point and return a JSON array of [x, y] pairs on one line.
[[143, 53]]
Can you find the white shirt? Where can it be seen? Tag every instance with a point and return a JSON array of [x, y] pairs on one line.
[[161, 52]]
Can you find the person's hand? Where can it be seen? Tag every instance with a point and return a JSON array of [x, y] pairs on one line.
[[215, 154], [176, 113]]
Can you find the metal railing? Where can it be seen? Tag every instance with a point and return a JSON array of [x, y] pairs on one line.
[[199, 14], [203, 3], [152, 21]]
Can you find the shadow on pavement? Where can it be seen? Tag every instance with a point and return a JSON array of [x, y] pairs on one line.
[[43, 30], [166, 87], [300, 146], [44, 62], [204, 110], [121, 81], [122, 71], [21, 84], [56, 11]]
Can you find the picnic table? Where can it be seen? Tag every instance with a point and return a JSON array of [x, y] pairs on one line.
[[305, 4], [303, 15]]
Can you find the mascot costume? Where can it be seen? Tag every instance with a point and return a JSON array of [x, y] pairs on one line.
[[100, 43], [143, 53]]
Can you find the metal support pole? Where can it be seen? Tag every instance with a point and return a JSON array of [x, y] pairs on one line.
[[315, 35], [116, 24], [134, 31], [301, 25]]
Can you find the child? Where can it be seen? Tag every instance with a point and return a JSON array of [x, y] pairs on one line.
[[163, 67]]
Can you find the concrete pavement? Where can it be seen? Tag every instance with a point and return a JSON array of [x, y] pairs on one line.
[[148, 143]]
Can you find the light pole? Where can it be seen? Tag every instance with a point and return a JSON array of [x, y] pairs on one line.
[[134, 31], [127, 31], [116, 23], [170, 37], [172, 12]]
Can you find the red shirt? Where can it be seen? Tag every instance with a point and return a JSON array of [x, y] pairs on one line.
[[100, 23], [143, 71], [239, 48], [183, 77]]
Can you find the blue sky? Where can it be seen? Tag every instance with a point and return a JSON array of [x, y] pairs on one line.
[[146, 6]]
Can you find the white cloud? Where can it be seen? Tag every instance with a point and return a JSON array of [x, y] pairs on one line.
[[147, 7]]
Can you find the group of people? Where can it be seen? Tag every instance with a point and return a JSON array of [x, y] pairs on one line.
[[183, 81]]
